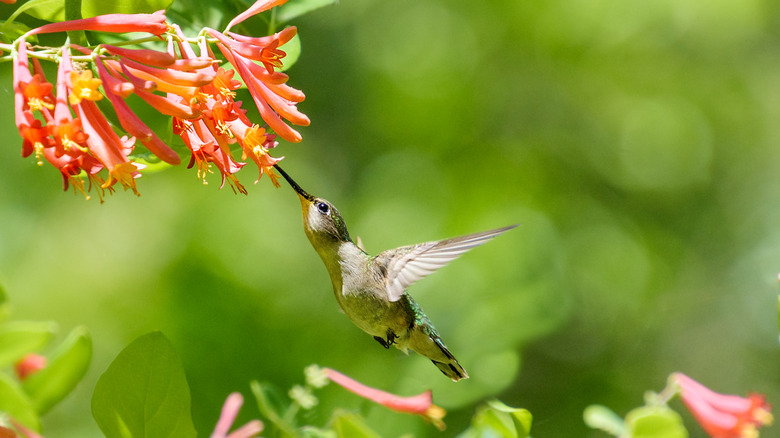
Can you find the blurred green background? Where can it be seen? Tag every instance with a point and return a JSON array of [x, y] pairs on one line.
[[637, 144]]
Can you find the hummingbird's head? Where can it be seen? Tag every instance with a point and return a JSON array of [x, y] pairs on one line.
[[321, 220]]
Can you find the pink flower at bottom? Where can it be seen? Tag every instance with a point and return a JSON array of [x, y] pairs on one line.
[[721, 415], [421, 404], [228, 416]]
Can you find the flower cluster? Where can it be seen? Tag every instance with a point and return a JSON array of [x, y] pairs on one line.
[[721, 415], [66, 128]]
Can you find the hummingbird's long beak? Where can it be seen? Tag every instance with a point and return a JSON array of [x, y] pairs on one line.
[[302, 193]]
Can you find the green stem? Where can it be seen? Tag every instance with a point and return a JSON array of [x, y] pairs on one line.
[[73, 12], [291, 412]]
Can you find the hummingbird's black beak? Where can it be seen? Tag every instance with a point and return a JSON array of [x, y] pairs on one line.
[[295, 185]]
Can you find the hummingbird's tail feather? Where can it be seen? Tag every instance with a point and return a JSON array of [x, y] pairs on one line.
[[451, 368]]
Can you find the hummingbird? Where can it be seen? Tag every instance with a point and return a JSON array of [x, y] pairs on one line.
[[371, 290]]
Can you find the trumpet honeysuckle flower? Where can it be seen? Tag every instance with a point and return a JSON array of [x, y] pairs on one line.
[[421, 404], [35, 139], [721, 415], [256, 8], [114, 23], [254, 143], [272, 104], [108, 147]]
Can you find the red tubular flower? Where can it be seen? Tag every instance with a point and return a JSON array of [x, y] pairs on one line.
[[115, 23], [421, 404], [720, 415]]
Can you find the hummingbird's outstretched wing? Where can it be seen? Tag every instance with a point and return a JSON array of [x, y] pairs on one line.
[[411, 263]]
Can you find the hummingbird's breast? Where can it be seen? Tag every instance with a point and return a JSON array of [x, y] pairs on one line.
[[363, 297], [374, 315]]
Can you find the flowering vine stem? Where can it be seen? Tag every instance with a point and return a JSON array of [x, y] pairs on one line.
[[67, 129]]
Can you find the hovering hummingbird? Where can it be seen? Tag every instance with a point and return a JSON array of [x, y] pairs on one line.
[[372, 290]]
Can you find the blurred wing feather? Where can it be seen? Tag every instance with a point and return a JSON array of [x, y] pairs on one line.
[[414, 262]]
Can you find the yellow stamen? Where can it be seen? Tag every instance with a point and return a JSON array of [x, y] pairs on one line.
[[38, 147], [37, 104]]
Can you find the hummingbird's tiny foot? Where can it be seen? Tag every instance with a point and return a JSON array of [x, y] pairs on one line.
[[382, 342], [391, 337]]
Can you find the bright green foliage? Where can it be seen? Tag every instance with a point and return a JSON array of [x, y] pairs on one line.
[[4, 306], [264, 395], [655, 422], [144, 392], [14, 402], [601, 417], [66, 367], [18, 338], [26, 400], [296, 8], [347, 425], [495, 419], [54, 10], [293, 50]]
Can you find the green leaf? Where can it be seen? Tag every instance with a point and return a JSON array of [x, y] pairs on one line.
[[497, 419], [91, 8], [17, 338], [8, 33], [296, 8], [66, 367], [54, 10], [144, 392], [33, 6], [601, 417], [348, 425], [521, 418], [292, 49], [655, 422], [5, 306], [14, 402], [269, 410], [73, 12]]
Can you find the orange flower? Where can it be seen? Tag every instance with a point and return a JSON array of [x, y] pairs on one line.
[[84, 86], [37, 93], [36, 138]]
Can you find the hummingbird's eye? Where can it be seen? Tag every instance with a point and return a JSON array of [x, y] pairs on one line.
[[323, 208]]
